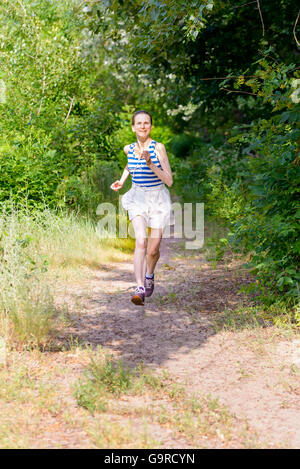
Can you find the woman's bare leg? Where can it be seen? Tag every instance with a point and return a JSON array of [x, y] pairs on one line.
[[139, 261], [153, 254]]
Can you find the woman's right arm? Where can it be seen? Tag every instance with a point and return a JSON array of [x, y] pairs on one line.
[[119, 184], [124, 175]]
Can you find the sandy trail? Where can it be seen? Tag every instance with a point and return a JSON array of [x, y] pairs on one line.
[[254, 372]]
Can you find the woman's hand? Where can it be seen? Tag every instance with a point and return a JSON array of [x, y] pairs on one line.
[[116, 185], [147, 157]]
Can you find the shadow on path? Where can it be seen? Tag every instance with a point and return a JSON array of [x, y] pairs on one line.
[[175, 320]]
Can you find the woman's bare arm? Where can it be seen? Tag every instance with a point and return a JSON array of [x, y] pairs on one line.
[[119, 184], [165, 174]]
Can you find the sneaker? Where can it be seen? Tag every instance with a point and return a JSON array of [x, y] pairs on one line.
[[138, 297], [149, 286]]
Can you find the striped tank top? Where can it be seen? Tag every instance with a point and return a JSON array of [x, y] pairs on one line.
[[141, 174]]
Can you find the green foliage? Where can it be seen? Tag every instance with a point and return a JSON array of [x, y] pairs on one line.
[[72, 73], [103, 378], [252, 182], [183, 144], [178, 52], [106, 377], [27, 308], [209, 174], [30, 167], [270, 225], [55, 119], [84, 192]]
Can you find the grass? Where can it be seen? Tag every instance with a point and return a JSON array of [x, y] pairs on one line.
[[46, 397], [167, 403], [204, 416], [106, 378], [38, 253], [114, 407], [109, 433], [257, 317]]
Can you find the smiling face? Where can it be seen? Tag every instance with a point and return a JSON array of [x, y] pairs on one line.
[[142, 126]]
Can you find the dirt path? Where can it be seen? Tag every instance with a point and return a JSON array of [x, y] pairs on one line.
[[254, 372]]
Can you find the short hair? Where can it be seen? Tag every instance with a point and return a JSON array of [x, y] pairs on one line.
[[140, 112]]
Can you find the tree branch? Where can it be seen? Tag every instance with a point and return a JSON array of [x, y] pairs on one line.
[[227, 78], [267, 55], [244, 92], [294, 29], [43, 90], [70, 108], [244, 4], [261, 17]]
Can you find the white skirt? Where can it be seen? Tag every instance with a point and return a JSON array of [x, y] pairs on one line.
[[152, 203]]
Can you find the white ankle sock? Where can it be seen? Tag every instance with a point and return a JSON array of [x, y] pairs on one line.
[[150, 276]]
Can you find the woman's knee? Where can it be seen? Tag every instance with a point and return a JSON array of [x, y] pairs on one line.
[[153, 251], [141, 243]]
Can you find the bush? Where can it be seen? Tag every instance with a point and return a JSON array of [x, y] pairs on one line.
[[252, 183]]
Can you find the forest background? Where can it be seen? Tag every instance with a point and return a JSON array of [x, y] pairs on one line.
[[222, 81]]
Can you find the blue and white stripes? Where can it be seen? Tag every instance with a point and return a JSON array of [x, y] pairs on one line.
[[141, 174]]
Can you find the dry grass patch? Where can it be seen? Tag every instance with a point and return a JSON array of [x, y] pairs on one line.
[[108, 387], [41, 253]]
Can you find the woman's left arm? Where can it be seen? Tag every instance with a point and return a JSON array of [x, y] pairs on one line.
[[165, 174]]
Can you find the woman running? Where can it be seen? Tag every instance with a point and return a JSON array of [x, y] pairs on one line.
[[148, 201]]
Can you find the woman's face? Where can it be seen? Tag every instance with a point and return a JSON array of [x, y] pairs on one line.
[[142, 126]]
